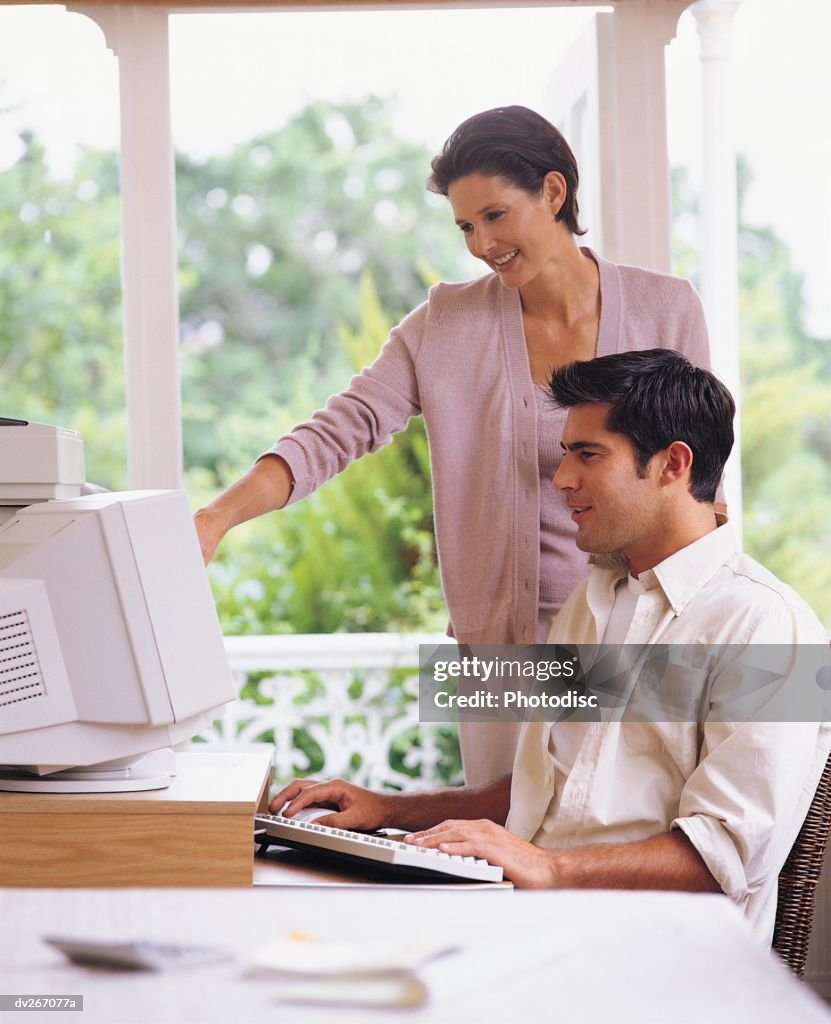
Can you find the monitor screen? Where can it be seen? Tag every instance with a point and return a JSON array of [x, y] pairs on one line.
[[110, 645]]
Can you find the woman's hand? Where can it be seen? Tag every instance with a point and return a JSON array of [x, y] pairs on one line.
[[211, 527], [355, 808], [266, 487], [526, 865]]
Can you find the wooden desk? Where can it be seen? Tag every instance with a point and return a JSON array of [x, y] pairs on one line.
[[195, 833], [575, 957]]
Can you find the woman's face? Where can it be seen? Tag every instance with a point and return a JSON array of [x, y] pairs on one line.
[[513, 232]]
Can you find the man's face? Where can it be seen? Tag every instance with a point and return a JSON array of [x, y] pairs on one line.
[[615, 507]]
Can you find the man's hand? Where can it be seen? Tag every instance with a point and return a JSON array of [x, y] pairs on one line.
[[358, 809], [526, 865]]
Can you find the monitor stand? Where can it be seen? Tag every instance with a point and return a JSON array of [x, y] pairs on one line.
[[150, 771]]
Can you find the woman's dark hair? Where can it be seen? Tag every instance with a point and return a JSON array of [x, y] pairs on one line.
[[657, 396], [516, 144]]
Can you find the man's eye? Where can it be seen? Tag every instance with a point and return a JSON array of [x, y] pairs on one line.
[[587, 456]]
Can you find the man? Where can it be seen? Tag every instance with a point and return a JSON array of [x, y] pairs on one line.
[[709, 804]]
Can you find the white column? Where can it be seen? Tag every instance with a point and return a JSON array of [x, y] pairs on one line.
[[138, 36], [635, 185], [719, 217]]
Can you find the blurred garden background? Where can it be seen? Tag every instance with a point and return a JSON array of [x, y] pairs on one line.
[[297, 251]]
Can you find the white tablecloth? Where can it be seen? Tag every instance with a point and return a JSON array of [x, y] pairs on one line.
[[569, 957]]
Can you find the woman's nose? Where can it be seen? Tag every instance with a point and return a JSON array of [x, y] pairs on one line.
[[482, 243]]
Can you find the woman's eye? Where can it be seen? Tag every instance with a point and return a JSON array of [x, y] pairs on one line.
[[494, 214], [466, 228]]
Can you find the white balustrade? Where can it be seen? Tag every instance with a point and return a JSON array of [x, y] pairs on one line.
[[340, 705]]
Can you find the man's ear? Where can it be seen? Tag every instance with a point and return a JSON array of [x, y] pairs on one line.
[[678, 460]]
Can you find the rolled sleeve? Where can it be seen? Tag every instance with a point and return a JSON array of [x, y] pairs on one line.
[[718, 851], [743, 805]]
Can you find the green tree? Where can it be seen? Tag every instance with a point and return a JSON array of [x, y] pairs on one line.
[[274, 240], [786, 430], [786, 395], [358, 555], [60, 302], [338, 202]]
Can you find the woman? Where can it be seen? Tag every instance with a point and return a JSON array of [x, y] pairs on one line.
[[473, 361]]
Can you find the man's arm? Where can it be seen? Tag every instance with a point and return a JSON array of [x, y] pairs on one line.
[[357, 808], [667, 861]]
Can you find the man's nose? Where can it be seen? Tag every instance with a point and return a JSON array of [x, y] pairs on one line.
[[563, 479]]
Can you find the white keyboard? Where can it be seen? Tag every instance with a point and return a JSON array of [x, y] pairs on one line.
[[376, 849]]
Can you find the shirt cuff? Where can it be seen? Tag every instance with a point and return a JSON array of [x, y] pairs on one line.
[[718, 851]]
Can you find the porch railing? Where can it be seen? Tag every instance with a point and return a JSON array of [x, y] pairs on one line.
[[338, 705]]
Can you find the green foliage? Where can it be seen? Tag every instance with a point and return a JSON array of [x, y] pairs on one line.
[[285, 245], [274, 239], [60, 305], [786, 429], [296, 252], [785, 401], [358, 555], [290, 283]]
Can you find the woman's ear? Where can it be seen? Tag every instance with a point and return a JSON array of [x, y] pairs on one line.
[[555, 191]]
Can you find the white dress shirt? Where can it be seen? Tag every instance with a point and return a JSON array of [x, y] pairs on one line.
[[738, 789]]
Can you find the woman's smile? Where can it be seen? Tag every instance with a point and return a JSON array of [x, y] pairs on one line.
[[505, 261]]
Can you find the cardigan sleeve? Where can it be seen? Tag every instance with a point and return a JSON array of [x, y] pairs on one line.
[[378, 403]]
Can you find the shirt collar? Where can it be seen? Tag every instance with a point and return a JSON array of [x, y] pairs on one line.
[[684, 573]]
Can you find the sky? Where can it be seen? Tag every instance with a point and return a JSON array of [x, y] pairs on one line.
[[236, 75]]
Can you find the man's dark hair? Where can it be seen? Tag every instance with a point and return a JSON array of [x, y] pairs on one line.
[[518, 145], [657, 397]]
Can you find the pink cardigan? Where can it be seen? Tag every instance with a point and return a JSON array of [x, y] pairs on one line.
[[460, 361]]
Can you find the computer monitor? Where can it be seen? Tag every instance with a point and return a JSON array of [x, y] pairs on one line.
[[110, 645]]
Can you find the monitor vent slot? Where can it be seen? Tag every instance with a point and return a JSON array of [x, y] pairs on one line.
[[20, 675]]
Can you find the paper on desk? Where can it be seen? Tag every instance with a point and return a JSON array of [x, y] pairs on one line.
[[382, 991], [357, 974]]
